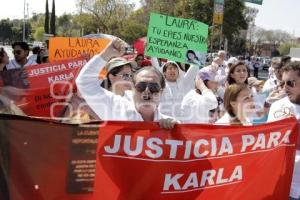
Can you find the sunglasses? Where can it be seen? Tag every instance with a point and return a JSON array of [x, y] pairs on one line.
[[17, 52], [153, 87], [288, 83], [125, 76]]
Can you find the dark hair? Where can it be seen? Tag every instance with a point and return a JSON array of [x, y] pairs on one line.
[[23, 45], [138, 56], [2, 52], [107, 83], [169, 64], [36, 50], [276, 63], [294, 65], [193, 52], [285, 59], [230, 80], [231, 94], [152, 69]]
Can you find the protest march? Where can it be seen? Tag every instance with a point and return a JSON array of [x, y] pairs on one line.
[[176, 112]]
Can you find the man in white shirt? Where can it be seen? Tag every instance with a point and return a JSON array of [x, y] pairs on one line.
[[21, 52], [148, 86], [222, 71], [290, 106], [273, 82]]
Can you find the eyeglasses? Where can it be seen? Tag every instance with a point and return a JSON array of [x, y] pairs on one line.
[[288, 83], [125, 76], [18, 52], [153, 87]]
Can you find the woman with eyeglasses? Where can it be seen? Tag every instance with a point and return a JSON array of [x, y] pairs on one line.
[[119, 77], [148, 86], [118, 81], [239, 105], [4, 59]]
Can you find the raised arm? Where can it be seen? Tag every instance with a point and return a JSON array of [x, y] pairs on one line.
[[191, 73], [88, 83]]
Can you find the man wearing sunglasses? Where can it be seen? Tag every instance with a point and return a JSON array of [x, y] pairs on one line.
[[21, 52], [286, 107], [148, 84]]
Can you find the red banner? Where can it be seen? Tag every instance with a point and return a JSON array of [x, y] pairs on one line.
[[137, 160], [42, 160], [36, 88]]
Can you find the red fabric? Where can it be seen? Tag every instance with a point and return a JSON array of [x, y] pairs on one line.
[[139, 45], [37, 155], [145, 63], [264, 173], [43, 85]]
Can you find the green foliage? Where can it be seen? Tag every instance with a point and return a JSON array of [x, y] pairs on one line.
[[46, 24], [118, 17], [284, 48], [234, 19], [5, 30], [52, 20], [86, 23], [39, 34], [132, 30], [12, 30], [201, 10]]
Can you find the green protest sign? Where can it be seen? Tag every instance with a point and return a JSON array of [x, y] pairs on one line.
[[176, 39], [259, 2]]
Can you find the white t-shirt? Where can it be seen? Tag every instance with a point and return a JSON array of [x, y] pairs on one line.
[[226, 120], [195, 107], [270, 84], [107, 105], [222, 73], [174, 92], [14, 65], [279, 110]]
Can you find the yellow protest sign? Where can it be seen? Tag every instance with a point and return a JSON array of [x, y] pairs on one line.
[[61, 48]]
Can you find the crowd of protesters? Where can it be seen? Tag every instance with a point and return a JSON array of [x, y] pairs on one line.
[[152, 89]]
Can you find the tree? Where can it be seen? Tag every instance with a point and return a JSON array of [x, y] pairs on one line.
[[46, 24], [132, 30], [284, 48], [5, 30], [106, 14], [39, 34], [166, 7], [66, 26], [52, 20]]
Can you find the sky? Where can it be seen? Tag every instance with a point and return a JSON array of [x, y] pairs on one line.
[[273, 14]]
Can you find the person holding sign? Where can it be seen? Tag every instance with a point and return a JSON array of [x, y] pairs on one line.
[[148, 86], [286, 107]]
